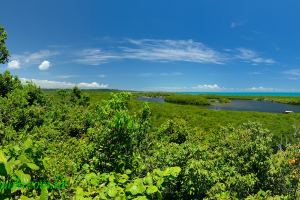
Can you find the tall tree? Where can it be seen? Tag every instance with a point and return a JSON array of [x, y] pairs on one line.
[[4, 54]]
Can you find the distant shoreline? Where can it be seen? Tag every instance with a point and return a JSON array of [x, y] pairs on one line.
[[274, 94]]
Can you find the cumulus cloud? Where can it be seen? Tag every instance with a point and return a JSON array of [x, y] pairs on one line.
[[14, 64], [48, 84], [250, 56], [207, 87], [32, 58], [45, 65]]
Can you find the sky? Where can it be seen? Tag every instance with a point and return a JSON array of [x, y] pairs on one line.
[[171, 45]]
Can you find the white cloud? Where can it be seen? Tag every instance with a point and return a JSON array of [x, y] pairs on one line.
[[252, 57], [156, 50], [171, 74], [65, 76], [95, 57], [14, 64], [102, 75], [235, 24], [45, 65], [255, 73], [28, 58], [153, 50], [161, 74], [63, 85], [172, 50], [38, 56], [207, 87], [197, 88], [260, 88], [92, 85], [293, 72]]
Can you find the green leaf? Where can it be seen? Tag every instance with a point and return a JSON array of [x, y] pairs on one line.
[[136, 188], [3, 159], [140, 198], [44, 193], [25, 178], [112, 192], [148, 180], [123, 178], [160, 181], [27, 144], [152, 189], [9, 166], [32, 166]]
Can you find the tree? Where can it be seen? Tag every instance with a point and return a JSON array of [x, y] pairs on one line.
[[4, 54]]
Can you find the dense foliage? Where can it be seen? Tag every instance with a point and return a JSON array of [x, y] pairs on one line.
[[4, 54], [187, 99], [110, 150]]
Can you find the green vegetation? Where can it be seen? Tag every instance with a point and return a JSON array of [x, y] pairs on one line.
[[187, 99], [207, 99], [115, 148], [4, 54], [109, 146]]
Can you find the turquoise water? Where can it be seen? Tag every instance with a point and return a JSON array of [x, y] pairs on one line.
[[275, 94]]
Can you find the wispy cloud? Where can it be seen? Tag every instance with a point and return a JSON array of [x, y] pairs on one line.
[[62, 84], [95, 56], [165, 74], [197, 88], [153, 50], [255, 73], [171, 51], [214, 88], [102, 75], [235, 24], [250, 56], [66, 76], [295, 73], [36, 57]]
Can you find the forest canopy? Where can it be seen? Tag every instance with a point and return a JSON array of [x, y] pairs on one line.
[[106, 151]]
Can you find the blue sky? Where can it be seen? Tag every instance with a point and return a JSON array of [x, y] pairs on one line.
[[170, 45]]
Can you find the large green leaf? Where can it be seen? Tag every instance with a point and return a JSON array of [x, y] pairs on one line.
[[44, 193], [152, 189], [25, 178]]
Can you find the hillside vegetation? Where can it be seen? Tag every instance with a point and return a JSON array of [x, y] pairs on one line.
[[115, 149]]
